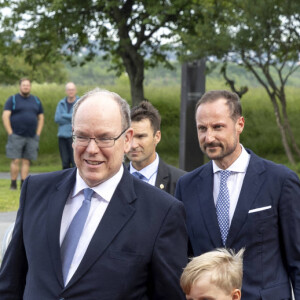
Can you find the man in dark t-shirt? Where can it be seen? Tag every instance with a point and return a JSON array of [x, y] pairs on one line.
[[23, 119]]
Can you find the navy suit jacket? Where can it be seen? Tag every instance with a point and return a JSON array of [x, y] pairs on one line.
[[271, 235], [167, 177], [137, 252]]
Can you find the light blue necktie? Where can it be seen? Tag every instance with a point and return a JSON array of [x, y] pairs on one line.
[[139, 175], [223, 205], [70, 242]]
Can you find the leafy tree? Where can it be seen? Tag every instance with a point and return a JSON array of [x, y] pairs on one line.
[[261, 36], [16, 63], [129, 32], [12, 68]]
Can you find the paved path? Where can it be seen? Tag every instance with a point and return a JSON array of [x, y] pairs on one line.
[[6, 221], [6, 218], [4, 175]]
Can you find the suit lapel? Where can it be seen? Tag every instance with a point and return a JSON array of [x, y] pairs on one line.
[[162, 176], [57, 200], [117, 214], [253, 181], [208, 208]]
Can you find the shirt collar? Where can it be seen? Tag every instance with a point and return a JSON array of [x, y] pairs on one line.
[[149, 170], [105, 189], [239, 165]]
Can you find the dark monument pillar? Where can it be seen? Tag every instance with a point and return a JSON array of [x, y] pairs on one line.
[[192, 88]]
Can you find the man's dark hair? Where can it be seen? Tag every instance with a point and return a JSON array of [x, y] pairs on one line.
[[232, 100], [24, 79], [145, 110]]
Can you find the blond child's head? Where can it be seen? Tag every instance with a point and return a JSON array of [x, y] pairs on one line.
[[215, 275]]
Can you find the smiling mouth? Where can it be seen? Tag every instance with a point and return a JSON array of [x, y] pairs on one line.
[[134, 152], [94, 163]]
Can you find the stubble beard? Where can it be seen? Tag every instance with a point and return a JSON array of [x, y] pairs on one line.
[[223, 152]]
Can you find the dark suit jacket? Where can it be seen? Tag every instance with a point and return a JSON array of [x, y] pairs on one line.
[[137, 252], [167, 177], [271, 236]]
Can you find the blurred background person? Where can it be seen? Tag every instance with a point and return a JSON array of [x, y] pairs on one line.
[[23, 120], [63, 117]]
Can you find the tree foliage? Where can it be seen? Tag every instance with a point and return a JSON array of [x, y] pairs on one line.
[[130, 33], [262, 36], [12, 68]]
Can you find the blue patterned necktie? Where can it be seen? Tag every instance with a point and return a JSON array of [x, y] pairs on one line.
[[223, 205], [139, 175], [70, 242]]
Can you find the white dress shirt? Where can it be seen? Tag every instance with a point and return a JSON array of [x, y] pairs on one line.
[[150, 171], [99, 202], [235, 180]]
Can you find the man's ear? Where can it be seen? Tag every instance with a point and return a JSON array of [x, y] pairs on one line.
[[240, 124], [236, 294], [157, 137], [128, 139]]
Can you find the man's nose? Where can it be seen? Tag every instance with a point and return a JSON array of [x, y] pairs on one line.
[[209, 136], [92, 147], [134, 143]]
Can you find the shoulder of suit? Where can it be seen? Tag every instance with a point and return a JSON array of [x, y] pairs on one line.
[[55, 176], [154, 194], [198, 171], [264, 165], [171, 168]]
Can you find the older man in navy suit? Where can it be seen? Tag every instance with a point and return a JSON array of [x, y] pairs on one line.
[[239, 200], [95, 231]]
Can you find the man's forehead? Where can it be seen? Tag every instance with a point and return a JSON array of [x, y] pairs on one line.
[[25, 82], [142, 125], [143, 122], [71, 88], [103, 108]]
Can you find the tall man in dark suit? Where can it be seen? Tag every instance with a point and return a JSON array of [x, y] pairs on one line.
[[95, 231], [241, 200], [145, 162]]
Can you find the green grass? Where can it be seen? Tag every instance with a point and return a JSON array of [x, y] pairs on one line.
[[44, 163], [9, 200]]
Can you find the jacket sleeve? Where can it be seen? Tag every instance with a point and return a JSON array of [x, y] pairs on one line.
[[289, 210], [61, 115], [14, 265], [170, 255]]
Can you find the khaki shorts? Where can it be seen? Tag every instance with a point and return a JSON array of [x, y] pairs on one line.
[[22, 147]]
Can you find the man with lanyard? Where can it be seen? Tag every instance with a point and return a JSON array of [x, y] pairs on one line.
[[23, 119]]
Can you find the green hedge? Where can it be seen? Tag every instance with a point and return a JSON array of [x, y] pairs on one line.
[[260, 133]]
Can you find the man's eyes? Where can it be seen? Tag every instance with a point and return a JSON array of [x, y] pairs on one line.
[[82, 138], [102, 139], [201, 128], [215, 127]]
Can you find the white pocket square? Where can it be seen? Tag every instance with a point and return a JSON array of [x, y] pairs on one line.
[[259, 209]]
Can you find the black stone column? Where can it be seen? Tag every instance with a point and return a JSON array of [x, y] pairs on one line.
[[192, 88]]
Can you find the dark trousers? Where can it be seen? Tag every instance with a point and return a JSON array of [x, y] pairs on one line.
[[66, 152]]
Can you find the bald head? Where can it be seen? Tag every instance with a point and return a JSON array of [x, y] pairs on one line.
[[104, 96]]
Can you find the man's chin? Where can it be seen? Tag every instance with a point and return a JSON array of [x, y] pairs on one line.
[[213, 155]]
